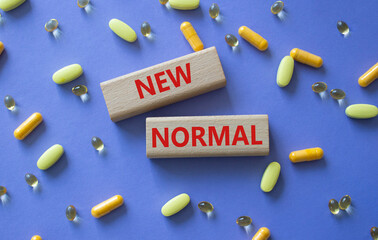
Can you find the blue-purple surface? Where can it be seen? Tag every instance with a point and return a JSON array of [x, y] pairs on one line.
[[295, 209]]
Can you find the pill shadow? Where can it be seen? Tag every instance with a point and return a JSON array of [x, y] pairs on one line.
[[278, 188], [3, 59], [58, 167], [34, 135], [182, 216], [370, 123], [190, 14], [129, 45], [21, 10], [310, 166], [113, 215]]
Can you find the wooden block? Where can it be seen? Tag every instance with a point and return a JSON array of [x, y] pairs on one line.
[[209, 136], [163, 84]]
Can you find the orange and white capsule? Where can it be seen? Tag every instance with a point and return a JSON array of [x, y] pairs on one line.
[[1, 47], [306, 155], [28, 126], [191, 36], [369, 76], [253, 38], [262, 234], [107, 206], [306, 58]]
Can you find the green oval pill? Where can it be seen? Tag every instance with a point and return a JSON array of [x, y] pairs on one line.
[[7, 5], [184, 4], [175, 205], [285, 71], [67, 74], [361, 111], [123, 30], [50, 157], [270, 177]]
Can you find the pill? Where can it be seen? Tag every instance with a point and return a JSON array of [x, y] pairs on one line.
[[205, 207], [82, 3], [270, 176], [7, 5], [253, 38], [306, 155], [337, 94], [361, 111], [31, 180], [345, 202], [184, 4], [67, 74], [244, 221], [28, 126], [51, 25], [50, 156], [214, 10], [343, 28], [191, 36], [97, 143], [9, 102], [122, 30], [368, 77], [145, 29], [231, 40], [262, 234], [277, 7], [71, 213], [333, 206], [163, 2], [306, 58], [285, 71], [1, 47], [175, 205], [36, 237], [374, 233], [79, 90], [3, 190], [107, 206], [319, 87]]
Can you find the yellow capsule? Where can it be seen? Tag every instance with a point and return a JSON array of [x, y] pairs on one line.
[[36, 237], [253, 38], [333, 206], [7, 5], [262, 234], [107, 206], [306, 58], [368, 77], [306, 155], [191, 36], [28, 126], [1, 47]]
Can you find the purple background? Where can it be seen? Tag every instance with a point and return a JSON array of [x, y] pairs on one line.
[[295, 209]]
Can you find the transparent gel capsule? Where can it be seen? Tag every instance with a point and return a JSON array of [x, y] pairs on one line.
[[337, 94], [205, 207], [9, 102], [231, 40], [97, 143], [163, 1], [320, 88], [343, 28], [4, 198], [277, 7], [244, 221], [82, 3], [31, 180], [333, 206], [81, 91], [71, 213], [3, 190], [345, 202], [52, 26], [214, 10], [145, 28], [374, 233]]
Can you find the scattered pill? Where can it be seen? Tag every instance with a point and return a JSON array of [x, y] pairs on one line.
[[79, 90], [374, 233], [3, 190], [122, 30], [285, 71], [243, 221], [71, 213], [262, 234], [306, 155], [231, 40], [184, 4], [333, 206], [343, 28], [253, 38], [51, 25], [368, 77], [277, 7], [50, 157], [97, 143], [7, 5], [36, 237], [337, 94], [345, 202], [319, 87], [67, 74], [9, 102], [214, 10], [145, 29], [306, 58], [175, 205], [361, 111], [1, 45], [270, 176], [205, 207], [107, 206], [82, 3], [28, 126], [191, 36], [31, 180], [163, 1]]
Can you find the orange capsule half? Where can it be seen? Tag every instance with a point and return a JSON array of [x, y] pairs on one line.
[[36, 237], [1, 47], [306, 58], [262, 234], [369, 76], [107, 206], [28, 126], [191, 36], [253, 38], [306, 155]]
